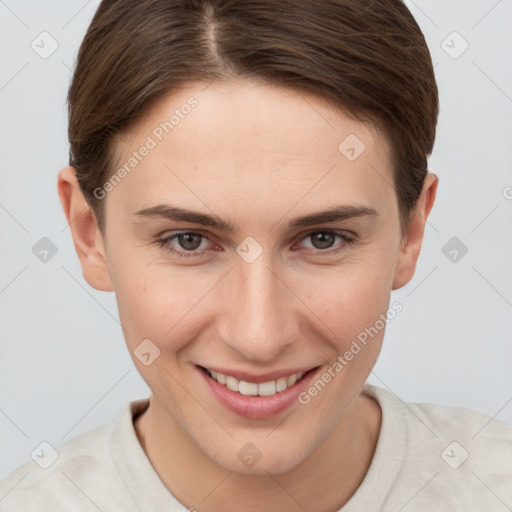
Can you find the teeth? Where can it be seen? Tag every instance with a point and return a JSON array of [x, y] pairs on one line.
[[281, 384], [291, 380], [267, 388], [251, 388], [231, 383], [247, 388]]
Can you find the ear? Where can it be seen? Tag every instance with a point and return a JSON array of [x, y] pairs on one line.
[[411, 245], [87, 237]]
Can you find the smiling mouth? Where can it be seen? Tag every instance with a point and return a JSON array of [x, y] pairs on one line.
[[269, 388]]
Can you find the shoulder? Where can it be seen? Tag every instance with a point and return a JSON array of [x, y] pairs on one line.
[[71, 476], [440, 419], [450, 456], [48, 479]]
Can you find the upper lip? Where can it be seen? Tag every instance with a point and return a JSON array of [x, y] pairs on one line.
[[257, 379]]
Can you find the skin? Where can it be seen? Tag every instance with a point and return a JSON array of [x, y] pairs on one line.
[[255, 155]]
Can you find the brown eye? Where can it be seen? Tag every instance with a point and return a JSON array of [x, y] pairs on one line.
[[322, 241], [189, 241], [186, 243]]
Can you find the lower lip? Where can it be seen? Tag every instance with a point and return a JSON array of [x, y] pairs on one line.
[[258, 407]]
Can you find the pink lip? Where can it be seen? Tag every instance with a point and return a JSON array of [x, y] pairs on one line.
[[257, 407]]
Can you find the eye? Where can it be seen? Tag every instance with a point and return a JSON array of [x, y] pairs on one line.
[[192, 244], [325, 239], [187, 242]]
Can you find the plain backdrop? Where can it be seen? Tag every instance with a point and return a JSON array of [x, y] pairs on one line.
[[64, 366]]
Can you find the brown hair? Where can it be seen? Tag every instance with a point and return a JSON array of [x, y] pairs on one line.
[[368, 58]]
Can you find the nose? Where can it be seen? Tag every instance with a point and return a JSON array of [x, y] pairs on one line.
[[257, 318]]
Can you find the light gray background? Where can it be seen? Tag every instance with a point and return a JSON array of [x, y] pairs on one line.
[[63, 362]]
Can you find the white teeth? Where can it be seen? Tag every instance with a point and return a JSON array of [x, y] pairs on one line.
[[267, 388], [231, 383], [251, 388], [248, 388], [281, 384], [291, 380]]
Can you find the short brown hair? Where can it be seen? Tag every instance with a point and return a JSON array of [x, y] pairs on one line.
[[369, 58]]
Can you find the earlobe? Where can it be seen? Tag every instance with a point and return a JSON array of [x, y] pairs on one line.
[[410, 249], [87, 237]]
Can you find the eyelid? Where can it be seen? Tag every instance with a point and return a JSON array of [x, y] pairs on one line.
[[348, 238], [167, 236], [341, 232]]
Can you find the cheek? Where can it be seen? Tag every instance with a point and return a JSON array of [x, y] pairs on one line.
[[159, 303], [350, 300]]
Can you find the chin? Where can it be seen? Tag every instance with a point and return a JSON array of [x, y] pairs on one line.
[[250, 460]]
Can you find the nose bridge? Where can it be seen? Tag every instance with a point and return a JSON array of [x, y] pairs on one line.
[[258, 313]]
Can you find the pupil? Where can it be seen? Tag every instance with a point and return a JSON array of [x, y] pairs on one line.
[[324, 240], [187, 240]]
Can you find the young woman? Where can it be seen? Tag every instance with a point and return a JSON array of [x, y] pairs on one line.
[[250, 177]]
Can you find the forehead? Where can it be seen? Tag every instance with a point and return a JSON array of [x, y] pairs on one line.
[[257, 143]]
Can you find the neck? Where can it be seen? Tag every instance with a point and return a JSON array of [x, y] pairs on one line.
[[324, 481]]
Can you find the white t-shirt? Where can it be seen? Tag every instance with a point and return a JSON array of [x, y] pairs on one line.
[[428, 458]]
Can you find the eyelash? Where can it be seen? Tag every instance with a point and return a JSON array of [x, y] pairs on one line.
[[348, 239]]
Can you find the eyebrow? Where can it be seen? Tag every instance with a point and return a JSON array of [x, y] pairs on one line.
[[336, 213]]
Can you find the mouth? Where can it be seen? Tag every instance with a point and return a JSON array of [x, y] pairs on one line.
[[257, 396], [251, 388]]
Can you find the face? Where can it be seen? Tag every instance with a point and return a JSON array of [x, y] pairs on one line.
[[224, 258]]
